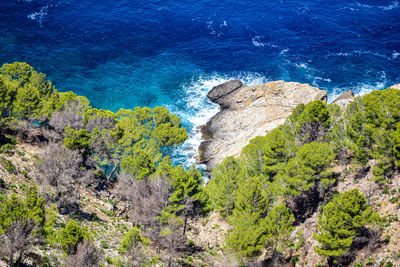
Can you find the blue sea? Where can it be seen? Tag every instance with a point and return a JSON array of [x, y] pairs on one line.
[[128, 53]]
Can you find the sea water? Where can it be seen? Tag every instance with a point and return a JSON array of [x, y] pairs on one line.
[[127, 53]]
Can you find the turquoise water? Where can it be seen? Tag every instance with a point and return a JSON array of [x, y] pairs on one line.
[[121, 54]]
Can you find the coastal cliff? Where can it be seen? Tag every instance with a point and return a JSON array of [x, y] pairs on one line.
[[247, 112], [328, 174]]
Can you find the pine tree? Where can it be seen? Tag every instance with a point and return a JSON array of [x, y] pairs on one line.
[[310, 166], [222, 188], [279, 226], [267, 155], [248, 219], [342, 219], [313, 122]]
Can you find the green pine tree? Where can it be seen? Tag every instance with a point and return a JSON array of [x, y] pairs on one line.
[[342, 219], [222, 188]]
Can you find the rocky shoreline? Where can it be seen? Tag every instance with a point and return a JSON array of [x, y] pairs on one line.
[[250, 111]]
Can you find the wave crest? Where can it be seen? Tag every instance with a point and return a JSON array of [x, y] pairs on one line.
[[198, 110]]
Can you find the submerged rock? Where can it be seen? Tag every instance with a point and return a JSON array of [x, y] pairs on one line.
[[247, 112]]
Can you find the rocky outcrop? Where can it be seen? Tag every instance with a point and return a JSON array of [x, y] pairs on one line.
[[344, 99], [396, 86], [247, 112], [218, 92], [347, 97]]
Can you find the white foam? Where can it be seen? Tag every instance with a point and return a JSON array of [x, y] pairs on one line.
[[395, 54], [392, 5], [362, 53], [358, 89], [302, 65], [364, 89], [215, 29], [199, 109], [39, 15], [349, 8], [256, 41], [284, 51], [342, 54], [323, 79]]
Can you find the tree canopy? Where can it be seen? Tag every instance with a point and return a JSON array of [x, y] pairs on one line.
[[342, 219]]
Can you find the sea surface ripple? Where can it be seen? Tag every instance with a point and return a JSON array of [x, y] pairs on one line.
[[124, 53]]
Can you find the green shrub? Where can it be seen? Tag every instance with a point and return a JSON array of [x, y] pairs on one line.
[[104, 244], [70, 236], [222, 189], [308, 168], [23, 223], [313, 121], [12, 140], [131, 240], [8, 165], [249, 235], [7, 147], [370, 261], [294, 260], [342, 219], [109, 260], [373, 128]]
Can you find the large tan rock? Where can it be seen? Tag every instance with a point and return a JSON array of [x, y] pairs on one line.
[[396, 86], [247, 112], [344, 99]]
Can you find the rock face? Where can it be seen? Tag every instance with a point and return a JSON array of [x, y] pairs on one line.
[[247, 112], [219, 91], [396, 86], [344, 99]]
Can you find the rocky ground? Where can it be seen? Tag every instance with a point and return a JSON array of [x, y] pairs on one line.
[[380, 250], [105, 225], [107, 218]]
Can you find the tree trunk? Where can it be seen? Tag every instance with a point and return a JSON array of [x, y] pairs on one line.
[[106, 169], [19, 260], [11, 258], [330, 261], [184, 224], [112, 172]]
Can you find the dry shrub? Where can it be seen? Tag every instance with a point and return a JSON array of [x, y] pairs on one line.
[[86, 255], [61, 170], [71, 115], [148, 197]]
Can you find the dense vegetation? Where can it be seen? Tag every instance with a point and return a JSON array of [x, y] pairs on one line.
[[283, 176], [98, 149], [278, 181], [343, 218]]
